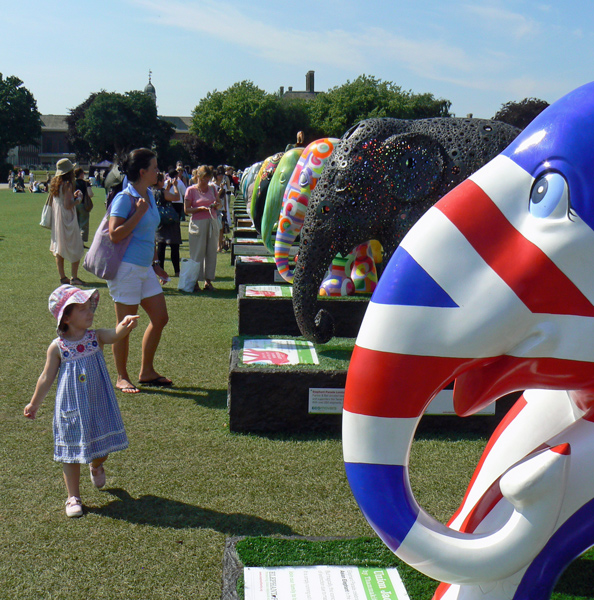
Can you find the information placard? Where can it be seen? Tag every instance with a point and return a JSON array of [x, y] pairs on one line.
[[330, 401], [326, 401], [315, 583], [268, 291], [256, 259]]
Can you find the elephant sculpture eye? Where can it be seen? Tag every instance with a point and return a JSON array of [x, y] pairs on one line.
[[549, 197]]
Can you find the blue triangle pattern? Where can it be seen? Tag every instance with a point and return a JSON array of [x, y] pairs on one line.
[[405, 282]]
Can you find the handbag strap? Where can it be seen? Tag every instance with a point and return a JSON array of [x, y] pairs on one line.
[[132, 201]]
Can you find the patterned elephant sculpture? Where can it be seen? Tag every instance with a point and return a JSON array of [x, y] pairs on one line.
[[303, 181], [383, 175]]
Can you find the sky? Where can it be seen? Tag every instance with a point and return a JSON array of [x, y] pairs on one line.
[[477, 54]]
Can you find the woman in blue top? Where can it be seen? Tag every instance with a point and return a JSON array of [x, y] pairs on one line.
[[133, 212]]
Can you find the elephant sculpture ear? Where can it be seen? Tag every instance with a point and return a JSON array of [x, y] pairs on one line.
[[413, 165]]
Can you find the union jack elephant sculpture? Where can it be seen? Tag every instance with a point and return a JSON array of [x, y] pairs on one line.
[[493, 288]]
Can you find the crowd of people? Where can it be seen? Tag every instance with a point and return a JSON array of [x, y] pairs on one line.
[[17, 182], [87, 422]]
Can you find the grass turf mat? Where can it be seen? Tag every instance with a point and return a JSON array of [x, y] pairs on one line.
[[335, 355], [359, 552], [574, 584]]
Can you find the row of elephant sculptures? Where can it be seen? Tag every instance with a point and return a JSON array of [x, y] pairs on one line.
[[278, 190], [351, 200], [489, 233]]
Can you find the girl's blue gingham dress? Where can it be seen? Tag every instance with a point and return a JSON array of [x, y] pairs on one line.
[[87, 420]]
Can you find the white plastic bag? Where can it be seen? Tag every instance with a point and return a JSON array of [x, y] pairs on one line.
[[188, 275]]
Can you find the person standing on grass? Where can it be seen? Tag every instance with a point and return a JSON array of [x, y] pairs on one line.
[[133, 212], [87, 421], [169, 234], [201, 203], [83, 210], [66, 242]]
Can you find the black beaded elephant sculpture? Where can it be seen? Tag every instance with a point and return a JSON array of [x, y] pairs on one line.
[[383, 175]]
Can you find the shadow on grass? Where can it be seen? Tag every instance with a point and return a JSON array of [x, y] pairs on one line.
[[298, 436], [201, 396], [216, 293], [162, 512]]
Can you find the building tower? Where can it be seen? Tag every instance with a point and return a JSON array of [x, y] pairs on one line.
[[149, 89]]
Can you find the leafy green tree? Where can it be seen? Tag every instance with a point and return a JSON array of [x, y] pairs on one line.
[[108, 124], [79, 145], [20, 121], [244, 123], [520, 114], [202, 153], [176, 151], [332, 113]]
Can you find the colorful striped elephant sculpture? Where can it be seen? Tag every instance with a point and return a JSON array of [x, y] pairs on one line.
[[493, 288], [303, 181]]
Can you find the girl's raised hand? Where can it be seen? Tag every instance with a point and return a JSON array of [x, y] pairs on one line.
[[129, 322]]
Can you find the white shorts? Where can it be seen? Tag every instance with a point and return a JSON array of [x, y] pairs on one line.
[[133, 284]]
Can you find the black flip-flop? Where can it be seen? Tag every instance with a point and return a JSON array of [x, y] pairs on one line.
[[157, 382], [129, 389]]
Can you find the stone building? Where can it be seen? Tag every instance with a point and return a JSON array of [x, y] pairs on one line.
[[308, 94], [53, 143]]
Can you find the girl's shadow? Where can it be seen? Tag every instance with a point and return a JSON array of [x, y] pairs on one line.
[[161, 512]]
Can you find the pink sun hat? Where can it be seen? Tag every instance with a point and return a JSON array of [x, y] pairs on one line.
[[69, 294]]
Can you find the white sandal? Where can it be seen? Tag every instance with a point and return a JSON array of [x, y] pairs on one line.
[[74, 507], [97, 475]]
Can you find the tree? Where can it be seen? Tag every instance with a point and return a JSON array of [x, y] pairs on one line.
[[20, 121], [332, 113], [202, 153], [175, 151], [108, 124], [244, 123], [520, 114], [79, 145]]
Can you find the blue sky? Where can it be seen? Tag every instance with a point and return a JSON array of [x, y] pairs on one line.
[[477, 54]]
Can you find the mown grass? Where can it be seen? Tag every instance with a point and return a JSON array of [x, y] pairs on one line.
[[158, 529]]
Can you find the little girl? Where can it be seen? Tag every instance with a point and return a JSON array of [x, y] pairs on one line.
[[87, 421]]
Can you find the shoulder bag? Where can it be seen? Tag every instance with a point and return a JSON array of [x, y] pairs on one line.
[[168, 215], [104, 256], [47, 212]]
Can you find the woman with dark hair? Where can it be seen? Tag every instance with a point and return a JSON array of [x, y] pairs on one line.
[[66, 242], [83, 210], [133, 212], [170, 233]]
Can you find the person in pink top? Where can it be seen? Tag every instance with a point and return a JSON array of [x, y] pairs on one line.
[[201, 202]]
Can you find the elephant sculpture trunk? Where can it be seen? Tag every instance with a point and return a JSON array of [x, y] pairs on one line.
[[309, 315]]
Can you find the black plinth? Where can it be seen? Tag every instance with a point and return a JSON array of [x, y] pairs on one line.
[[275, 316], [267, 399], [245, 232], [260, 273]]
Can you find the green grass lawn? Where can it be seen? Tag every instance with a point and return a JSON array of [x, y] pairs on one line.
[[157, 530]]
